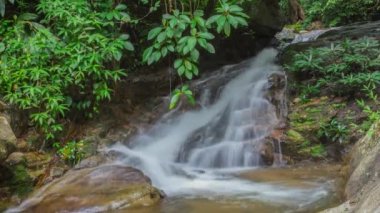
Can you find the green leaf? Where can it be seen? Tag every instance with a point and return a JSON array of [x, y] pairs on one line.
[[117, 55], [221, 21], [124, 37], [129, 46], [181, 70], [164, 51], [147, 53], [241, 21], [212, 19], [210, 48], [27, 17], [185, 18], [154, 32], [232, 21], [178, 63], [161, 37], [2, 47], [191, 43], [206, 35], [194, 55], [189, 74], [171, 48], [174, 100], [195, 70], [121, 7], [188, 65], [227, 29], [203, 43]]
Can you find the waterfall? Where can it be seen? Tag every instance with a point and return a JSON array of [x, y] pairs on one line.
[[195, 153]]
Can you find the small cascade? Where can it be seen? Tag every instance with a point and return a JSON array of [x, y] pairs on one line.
[[207, 153], [198, 153]]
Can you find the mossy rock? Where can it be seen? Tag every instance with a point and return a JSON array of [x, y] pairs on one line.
[[305, 121], [21, 183]]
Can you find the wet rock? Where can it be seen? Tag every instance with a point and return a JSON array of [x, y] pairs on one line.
[[266, 17], [363, 186], [36, 160], [3, 106], [15, 158], [353, 31], [104, 188], [267, 152], [23, 146], [91, 162], [7, 139]]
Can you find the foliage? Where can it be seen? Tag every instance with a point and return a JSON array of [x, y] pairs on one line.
[[183, 34], [178, 93], [372, 114], [314, 150], [339, 12], [343, 68], [72, 152], [334, 131], [51, 71]]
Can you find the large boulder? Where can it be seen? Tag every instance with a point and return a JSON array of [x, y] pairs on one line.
[[363, 186], [353, 31], [104, 188], [7, 139], [266, 18]]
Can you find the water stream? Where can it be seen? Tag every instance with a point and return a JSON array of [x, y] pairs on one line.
[[198, 154], [210, 159]]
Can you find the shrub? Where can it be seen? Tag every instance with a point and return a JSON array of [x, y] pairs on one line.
[[344, 68], [339, 12]]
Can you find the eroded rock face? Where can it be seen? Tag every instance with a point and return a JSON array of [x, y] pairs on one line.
[[7, 139], [363, 186], [104, 188]]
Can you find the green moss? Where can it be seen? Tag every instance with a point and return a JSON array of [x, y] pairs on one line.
[[295, 137], [21, 183]]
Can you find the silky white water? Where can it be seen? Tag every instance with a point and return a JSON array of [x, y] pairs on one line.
[[231, 131]]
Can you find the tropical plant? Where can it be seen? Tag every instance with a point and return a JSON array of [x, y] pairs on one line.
[[334, 131], [183, 33], [62, 58], [69, 65], [72, 152], [338, 12], [344, 68]]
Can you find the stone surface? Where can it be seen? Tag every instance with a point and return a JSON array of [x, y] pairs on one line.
[[7, 139], [104, 188], [15, 158], [363, 186], [266, 18], [3, 106], [354, 31]]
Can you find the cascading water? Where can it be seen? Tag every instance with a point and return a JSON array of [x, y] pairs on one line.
[[196, 153], [205, 160]]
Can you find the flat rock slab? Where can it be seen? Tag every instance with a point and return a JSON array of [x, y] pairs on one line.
[[104, 188]]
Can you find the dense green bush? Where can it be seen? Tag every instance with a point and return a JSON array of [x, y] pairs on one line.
[[58, 57], [339, 12], [68, 65], [344, 68]]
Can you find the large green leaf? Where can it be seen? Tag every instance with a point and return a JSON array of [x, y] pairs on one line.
[[154, 32]]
